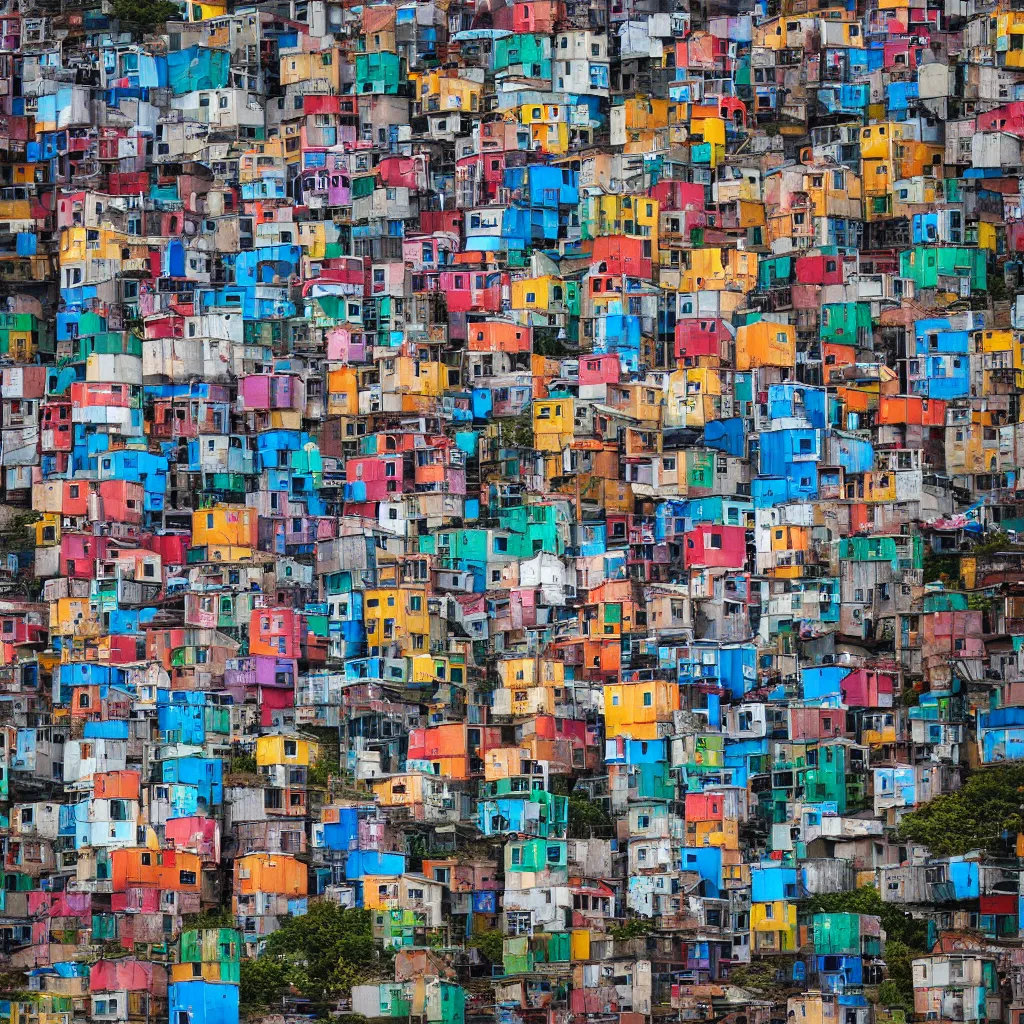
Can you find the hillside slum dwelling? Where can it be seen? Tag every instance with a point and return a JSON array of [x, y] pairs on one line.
[[511, 511]]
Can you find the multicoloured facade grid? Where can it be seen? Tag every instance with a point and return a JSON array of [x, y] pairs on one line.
[[511, 511]]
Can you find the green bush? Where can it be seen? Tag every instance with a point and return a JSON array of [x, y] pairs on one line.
[[634, 928], [144, 15], [975, 817], [491, 945], [889, 995], [587, 818], [320, 954]]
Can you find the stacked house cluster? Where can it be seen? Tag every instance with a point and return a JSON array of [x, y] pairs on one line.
[[542, 476]]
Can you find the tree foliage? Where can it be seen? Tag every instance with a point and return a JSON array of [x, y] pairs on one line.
[[322, 769], [144, 15], [12, 987], [634, 928], [215, 917], [994, 542], [263, 980], [517, 431], [889, 995], [243, 763], [587, 819], [899, 959], [490, 944], [976, 816], [942, 567], [547, 343], [321, 955], [770, 977]]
